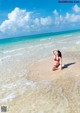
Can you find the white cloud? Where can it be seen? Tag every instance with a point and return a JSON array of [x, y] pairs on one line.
[[59, 20], [37, 21], [68, 18], [46, 21], [72, 17], [18, 13], [43, 21], [55, 12], [22, 22], [17, 19], [76, 8]]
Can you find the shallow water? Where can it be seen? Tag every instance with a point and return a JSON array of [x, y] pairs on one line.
[[15, 60], [39, 48], [61, 96]]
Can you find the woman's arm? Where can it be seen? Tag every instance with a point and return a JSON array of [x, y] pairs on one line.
[[54, 52], [60, 63]]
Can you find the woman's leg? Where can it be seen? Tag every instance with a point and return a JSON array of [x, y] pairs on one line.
[[60, 67], [54, 68]]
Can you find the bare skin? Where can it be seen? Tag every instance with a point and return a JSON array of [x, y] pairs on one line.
[[57, 63]]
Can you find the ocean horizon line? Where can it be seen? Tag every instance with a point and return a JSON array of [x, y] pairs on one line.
[[36, 36]]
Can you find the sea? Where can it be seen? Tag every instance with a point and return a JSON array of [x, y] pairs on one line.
[[18, 53]]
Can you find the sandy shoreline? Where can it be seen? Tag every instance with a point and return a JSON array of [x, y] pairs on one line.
[[61, 95], [42, 69]]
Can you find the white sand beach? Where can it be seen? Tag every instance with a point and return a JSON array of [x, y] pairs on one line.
[[56, 91]]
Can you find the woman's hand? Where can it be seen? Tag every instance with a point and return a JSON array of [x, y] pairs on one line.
[[54, 52], [61, 68]]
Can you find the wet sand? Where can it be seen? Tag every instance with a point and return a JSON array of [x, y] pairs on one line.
[[57, 91], [42, 69]]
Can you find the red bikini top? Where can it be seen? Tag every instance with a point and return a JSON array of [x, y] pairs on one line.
[[55, 59]]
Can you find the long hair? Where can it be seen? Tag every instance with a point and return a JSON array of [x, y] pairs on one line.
[[59, 53]]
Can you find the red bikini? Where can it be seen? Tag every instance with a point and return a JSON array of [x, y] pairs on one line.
[[55, 59]]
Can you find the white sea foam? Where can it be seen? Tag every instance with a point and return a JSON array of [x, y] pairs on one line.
[[78, 42], [10, 97], [8, 56], [12, 90], [10, 51], [43, 39], [25, 73], [68, 35], [10, 86]]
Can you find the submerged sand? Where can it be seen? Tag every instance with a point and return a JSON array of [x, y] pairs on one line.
[[56, 92]]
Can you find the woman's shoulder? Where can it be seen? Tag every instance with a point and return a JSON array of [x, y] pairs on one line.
[[60, 57]]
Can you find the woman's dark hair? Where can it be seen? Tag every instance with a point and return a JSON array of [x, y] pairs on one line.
[[59, 53]]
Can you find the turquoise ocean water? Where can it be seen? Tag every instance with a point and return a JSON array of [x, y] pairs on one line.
[[34, 46], [38, 36]]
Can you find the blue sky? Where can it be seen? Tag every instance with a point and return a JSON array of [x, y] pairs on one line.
[[24, 17]]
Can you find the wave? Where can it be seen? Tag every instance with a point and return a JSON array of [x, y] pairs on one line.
[[10, 56], [68, 35], [12, 90], [10, 51], [10, 97]]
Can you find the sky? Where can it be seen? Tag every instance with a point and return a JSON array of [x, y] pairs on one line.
[[27, 17]]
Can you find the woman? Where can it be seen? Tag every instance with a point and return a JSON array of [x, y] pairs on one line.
[[57, 60]]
